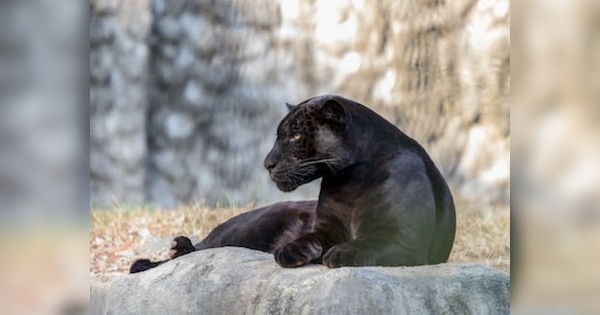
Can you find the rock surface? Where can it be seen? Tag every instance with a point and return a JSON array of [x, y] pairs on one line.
[[242, 281]]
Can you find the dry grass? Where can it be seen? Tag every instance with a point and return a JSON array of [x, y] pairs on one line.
[[482, 235], [117, 235]]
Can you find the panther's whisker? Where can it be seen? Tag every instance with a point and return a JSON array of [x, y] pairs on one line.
[[326, 161]]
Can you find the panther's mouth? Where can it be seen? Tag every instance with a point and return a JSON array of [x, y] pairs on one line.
[[284, 184], [288, 181]]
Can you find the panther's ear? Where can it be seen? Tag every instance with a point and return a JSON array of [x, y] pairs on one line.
[[333, 111], [290, 106]]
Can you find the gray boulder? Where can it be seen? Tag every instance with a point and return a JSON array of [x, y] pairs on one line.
[[242, 281]]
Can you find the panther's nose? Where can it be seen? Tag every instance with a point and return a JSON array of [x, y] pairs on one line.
[[270, 161], [270, 164]]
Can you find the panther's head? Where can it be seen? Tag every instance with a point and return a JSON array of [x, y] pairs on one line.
[[310, 143]]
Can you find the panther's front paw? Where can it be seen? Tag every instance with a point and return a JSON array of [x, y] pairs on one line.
[[344, 255], [180, 246], [297, 253]]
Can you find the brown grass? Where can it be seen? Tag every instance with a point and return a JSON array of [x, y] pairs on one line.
[[483, 234]]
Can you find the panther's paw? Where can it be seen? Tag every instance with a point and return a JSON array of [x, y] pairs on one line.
[[180, 246], [297, 253]]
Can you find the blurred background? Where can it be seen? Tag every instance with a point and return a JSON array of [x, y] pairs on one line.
[[44, 195], [555, 127], [185, 96]]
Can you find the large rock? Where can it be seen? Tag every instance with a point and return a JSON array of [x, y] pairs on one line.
[[241, 281]]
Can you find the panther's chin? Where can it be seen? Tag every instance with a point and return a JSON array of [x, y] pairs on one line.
[[286, 186]]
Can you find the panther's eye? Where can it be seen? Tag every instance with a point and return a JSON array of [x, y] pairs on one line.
[[297, 136]]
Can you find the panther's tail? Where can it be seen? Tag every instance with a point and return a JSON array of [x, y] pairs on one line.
[[180, 246], [144, 264]]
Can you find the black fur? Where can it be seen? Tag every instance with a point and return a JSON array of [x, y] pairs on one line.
[[382, 200], [261, 229]]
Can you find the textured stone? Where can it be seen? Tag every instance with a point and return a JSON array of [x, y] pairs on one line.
[[118, 87], [103, 6], [192, 93], [179, 126], [169, 29], [242, 281]]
